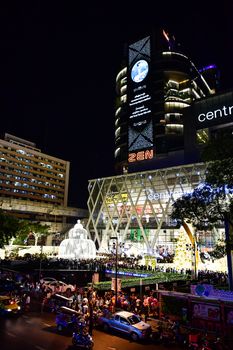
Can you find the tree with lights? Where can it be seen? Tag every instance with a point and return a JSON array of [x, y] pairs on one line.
[[211, 203], [182, 258]]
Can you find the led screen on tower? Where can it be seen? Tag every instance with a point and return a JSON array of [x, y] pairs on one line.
[[140, 129]]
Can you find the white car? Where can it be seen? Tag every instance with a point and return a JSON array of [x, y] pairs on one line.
[[46, 280], [59, 287]]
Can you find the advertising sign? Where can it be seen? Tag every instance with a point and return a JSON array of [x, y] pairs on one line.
[[140, 130], [202, 289], [214, 111], [95, 278], [113, 285], [206, 311]]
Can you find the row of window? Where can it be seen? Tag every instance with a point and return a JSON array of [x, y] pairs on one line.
[[25, 182], [45, 195], [11, 161]]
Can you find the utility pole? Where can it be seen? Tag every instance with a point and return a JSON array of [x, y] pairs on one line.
[[116, 271], [41, 250], [116, 267], [229, 249]]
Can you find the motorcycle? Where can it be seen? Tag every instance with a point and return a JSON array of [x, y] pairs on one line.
[[82, 340]]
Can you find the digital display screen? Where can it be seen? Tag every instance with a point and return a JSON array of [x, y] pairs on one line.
[[140, 126], [139, 71]]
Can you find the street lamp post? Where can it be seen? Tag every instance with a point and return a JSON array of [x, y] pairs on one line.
[[41, 251], [116, 265], [116, 271], [228, 251]]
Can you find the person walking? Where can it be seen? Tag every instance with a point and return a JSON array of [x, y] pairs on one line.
[[27, 302]]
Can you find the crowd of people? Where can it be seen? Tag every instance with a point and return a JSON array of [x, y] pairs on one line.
[[90, 303], [102, 264]]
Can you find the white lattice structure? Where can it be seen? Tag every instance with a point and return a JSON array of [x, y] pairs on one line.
[[139, 203]]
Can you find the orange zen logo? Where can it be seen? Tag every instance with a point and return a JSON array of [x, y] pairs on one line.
[[142, 155]]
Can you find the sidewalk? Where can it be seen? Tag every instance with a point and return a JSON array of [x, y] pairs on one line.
[[154, 322]]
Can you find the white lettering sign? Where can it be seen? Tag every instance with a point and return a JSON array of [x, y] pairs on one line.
[[217, 113], [155, 196]]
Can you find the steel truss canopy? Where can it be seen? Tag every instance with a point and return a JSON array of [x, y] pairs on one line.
[[138, 201]]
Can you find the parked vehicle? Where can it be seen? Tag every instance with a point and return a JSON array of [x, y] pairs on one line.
[[8, 306], [46, 280], [127, 323], [59, 287]]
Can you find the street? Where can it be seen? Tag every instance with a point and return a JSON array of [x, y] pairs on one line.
[[37, 331]]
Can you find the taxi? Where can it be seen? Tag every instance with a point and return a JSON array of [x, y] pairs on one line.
[[9, 306]]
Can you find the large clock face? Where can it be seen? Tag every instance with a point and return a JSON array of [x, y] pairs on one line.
[[139, 71]]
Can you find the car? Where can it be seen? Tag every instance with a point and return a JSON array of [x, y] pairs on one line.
[[128, 323], [59, 287], [9, 306], [46, 280]]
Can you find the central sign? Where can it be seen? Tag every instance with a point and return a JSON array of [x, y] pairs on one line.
[[213, 111], [221, 112]]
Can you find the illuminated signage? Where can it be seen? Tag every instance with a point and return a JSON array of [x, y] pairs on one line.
[[213, 111], [216, 114], [155, 196], [139, 71], [142, 155], [116, 198], [140, 126]]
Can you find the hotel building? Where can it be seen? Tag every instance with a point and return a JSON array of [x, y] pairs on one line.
[[34, 185]]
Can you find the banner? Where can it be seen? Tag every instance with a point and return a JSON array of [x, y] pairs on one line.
[[113, 287], [206, 311]]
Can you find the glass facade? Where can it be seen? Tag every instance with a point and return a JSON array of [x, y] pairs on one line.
[[136, 207]]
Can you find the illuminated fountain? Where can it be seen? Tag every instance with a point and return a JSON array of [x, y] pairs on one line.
[[77, 246]]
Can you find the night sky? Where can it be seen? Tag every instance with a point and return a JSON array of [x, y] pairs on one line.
[[59, 60]]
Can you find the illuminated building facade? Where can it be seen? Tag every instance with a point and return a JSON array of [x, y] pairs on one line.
[[166, 109], [28, 173], [154, 87], [207, 119], [136, 207], [34, 185]]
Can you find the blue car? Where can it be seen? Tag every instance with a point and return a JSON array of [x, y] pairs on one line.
[[127, 323]]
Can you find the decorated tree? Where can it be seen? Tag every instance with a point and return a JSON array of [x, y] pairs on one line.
[[182, 258], [211, 204]]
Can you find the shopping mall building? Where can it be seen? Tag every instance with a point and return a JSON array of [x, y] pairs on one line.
[[166, 110]]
